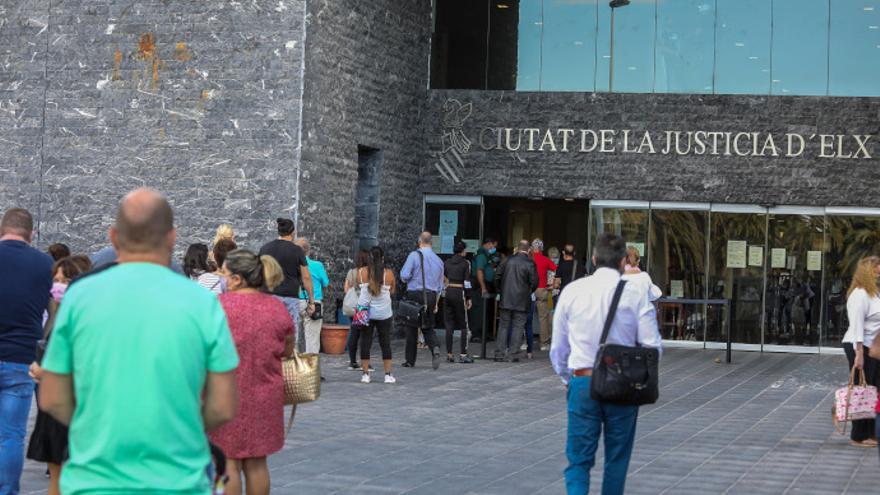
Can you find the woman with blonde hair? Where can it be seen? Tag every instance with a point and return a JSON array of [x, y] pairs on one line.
[[863, 312], [634, 275], [263, 334], [224, 231]]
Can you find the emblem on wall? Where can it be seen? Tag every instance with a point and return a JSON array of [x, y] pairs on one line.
[[454, 143]]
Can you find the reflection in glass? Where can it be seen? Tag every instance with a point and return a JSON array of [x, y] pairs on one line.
[[633, 47], [849, 239], [792, 308], [678, 266], [800, 47], [743, 287], [528, 76], [855, 48], [568, 54], [685, 46], [631, 224], [742, 47]]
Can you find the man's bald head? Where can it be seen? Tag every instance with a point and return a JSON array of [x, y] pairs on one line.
[[144, 223], [426, 239]]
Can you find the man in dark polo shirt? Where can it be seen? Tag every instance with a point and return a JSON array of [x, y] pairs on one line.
[[296, 274], [25, 282]]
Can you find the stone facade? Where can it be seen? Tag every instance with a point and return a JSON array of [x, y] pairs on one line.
[[808, 179], [366, 84], [200, 100]]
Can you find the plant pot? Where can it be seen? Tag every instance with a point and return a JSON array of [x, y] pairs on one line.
[[333, 338]]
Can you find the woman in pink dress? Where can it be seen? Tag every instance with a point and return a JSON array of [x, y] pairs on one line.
[[263, 334]]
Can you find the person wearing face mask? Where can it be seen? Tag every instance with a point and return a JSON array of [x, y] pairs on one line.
[[483, 269], [48, 441], [568, 269]]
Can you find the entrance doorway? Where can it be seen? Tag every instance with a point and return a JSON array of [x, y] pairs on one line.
[[556, 221]]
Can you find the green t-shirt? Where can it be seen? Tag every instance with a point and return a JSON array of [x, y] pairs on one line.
[[139, 340], [486, 262]]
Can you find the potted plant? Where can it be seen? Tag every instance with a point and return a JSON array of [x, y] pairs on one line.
[[333, 338]]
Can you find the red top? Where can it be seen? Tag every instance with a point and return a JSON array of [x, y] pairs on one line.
[[544, 265]]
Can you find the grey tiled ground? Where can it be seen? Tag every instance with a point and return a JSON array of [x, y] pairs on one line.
[[761, 425]]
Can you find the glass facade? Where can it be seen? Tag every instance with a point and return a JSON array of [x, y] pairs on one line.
[[779, 274], [779, 47]]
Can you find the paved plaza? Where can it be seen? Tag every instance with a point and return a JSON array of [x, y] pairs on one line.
[[760, 425]]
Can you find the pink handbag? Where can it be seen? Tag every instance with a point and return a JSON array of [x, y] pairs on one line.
[[854, 402]]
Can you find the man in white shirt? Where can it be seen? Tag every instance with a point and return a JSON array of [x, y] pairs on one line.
[[577, 329]]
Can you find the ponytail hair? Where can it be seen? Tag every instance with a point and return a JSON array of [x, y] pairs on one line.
[[258, 272], [376, 270]]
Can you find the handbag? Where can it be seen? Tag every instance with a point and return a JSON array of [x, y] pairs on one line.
[[350, 302], [302, 381], [411, 313], [855, 401], [622, 374], [361, 317]]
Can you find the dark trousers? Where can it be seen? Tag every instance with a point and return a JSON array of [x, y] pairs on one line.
[[383, 328], [412, 332], [476, 316], [863, 429], [516, 321], [455, 317]]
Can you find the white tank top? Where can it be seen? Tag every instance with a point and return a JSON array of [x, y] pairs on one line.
[[380, 305]]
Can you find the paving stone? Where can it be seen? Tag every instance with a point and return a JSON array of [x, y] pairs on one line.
[[759, 425]]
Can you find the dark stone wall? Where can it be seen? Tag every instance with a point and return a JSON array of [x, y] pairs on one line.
[[804, 180], [366, 84], [200, 100]]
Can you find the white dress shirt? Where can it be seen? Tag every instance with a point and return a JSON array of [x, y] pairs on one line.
[[643, 281], [580, 317], [863, 312]]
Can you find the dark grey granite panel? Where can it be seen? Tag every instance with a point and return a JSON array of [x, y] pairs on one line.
[[808, 179]]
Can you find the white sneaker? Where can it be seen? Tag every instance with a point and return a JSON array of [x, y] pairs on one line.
[[545, 347], [523, 347], [390, 379], [365, 378]]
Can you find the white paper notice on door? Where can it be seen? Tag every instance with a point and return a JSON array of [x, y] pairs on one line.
[[736, 254], [640, 247], [814, 261], [676, 288], [448, 223], [756, 255], [777, 258]]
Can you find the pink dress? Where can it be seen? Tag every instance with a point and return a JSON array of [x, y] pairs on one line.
[[259, 324]]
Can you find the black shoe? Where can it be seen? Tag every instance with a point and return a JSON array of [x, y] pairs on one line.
[[476, 340], [465, 359], [323, 379], [435, 359], [450, 359], [498, 358], [514, 360], [407, 365], [353, 367]]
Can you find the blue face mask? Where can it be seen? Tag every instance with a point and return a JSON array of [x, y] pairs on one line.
[[491, 250]]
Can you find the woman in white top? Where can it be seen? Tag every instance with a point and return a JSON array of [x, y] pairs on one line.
[[377, 284], [863, 312], [635, 276], [195, 266]]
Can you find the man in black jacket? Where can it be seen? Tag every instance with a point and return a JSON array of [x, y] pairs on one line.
[[516, 279]]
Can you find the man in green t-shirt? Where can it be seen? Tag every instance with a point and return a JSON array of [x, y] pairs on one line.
[[134, 349], [483, 268]]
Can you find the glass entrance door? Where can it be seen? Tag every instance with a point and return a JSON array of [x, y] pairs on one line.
[[736, 271], [452, 218], [628, 219], [792, 308], [677, 243], [852, 234]]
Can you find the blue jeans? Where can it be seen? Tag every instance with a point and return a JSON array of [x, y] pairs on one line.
[[292, 305], [16, 391], [586, 421]]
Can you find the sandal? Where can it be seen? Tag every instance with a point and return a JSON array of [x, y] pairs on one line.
[[865, 444]]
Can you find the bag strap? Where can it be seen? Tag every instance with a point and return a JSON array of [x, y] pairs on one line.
[[615, 301], [290, 420], [424, 289]]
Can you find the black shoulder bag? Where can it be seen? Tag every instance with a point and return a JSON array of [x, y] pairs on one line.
[[621, 374], [412, 313]]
